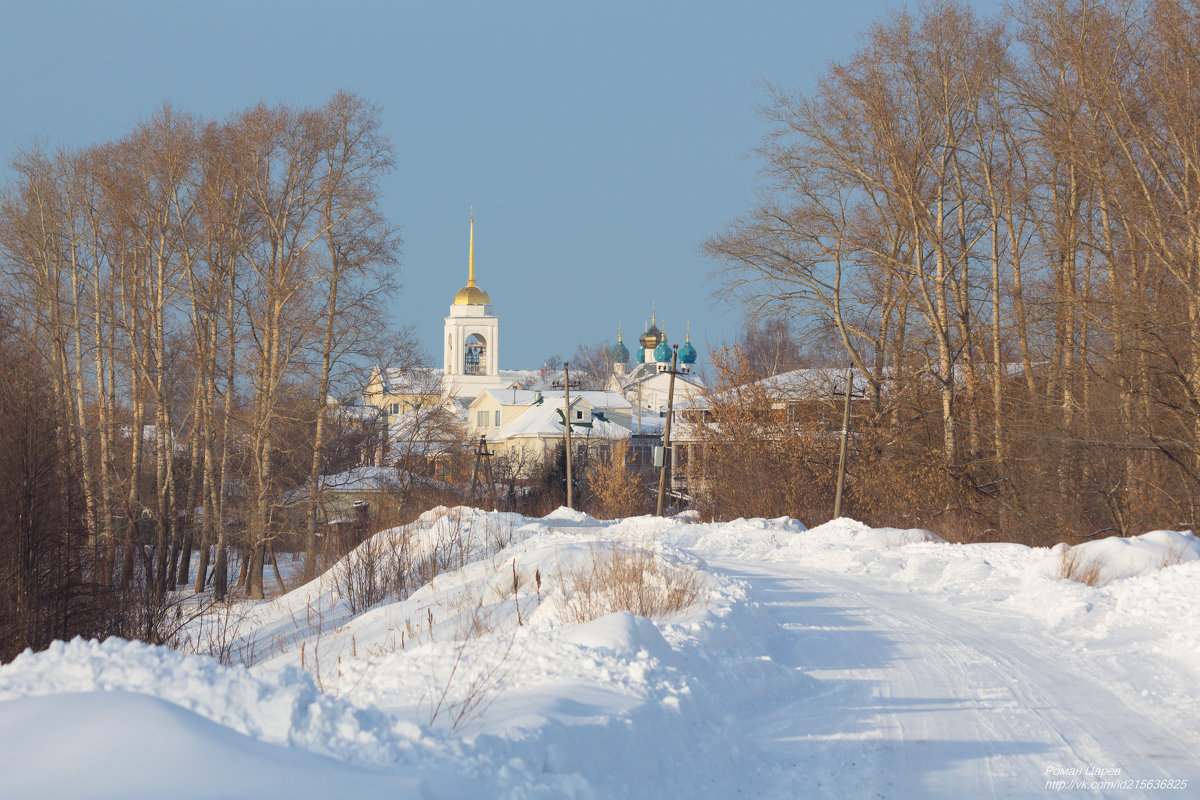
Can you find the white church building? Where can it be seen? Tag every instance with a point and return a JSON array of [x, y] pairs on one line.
[[504, 404]]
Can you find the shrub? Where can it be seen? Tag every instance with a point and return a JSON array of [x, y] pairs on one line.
[[633, 579], [616, 489], [761, 453], [49, 582]]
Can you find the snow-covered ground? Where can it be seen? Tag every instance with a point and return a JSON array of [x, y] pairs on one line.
[[842, 661]]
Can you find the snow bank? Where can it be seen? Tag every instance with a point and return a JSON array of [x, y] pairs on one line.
[[1146, 588], [845, 531], [1118, 558], [122, 745], [282, 707], [621, 634], [564, 514]]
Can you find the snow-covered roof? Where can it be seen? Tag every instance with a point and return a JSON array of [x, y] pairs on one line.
[[650, 422], [511, 397], [420, 380], [644, 372], [357, 411], [417, 380], [364, 480], [605, 429], [528, 378], [546, 420], [542, 421], [602, 399], [361, 479], [597, 398], [358, 479], [798, 384], [813, 382]]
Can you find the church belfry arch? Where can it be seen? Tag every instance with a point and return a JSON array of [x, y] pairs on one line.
[[475, 355]]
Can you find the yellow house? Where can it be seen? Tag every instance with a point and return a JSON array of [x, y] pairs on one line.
[[398, 391], [493, 408]]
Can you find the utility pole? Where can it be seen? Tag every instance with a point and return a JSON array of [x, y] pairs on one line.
[[482, 456], [639, 405], [662, 472], [567, 425], [841, 478]]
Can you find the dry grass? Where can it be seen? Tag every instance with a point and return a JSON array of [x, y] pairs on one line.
[[475, 681], [1075, 566], [1174, 556], [635, 580], [391, 565]]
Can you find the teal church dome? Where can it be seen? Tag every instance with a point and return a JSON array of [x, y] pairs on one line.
[[662, 353], [687, 353], [641, 354], [620, 353]]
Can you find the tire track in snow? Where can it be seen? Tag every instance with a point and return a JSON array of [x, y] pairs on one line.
[[920, 700]]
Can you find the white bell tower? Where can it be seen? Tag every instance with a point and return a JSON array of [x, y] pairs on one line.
[[471, 350]]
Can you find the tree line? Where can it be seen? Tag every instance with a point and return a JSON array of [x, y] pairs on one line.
[[997, 222], [189, 298]]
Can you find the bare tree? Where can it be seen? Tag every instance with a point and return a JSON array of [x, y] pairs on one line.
[[359, 244], [591, 365], [1006, 239]]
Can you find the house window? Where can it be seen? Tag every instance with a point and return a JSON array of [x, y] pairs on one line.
[[481, 419], [395, 409], [497, 422], [578, 415]]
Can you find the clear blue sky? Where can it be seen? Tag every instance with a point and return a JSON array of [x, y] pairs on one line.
[[600, 143]]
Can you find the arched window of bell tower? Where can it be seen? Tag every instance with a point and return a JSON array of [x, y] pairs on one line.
[[475, 355]]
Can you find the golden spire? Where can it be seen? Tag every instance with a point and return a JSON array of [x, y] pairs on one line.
[[689, 331], [618, 331], [471, 252], [651, 312], [471, 295]]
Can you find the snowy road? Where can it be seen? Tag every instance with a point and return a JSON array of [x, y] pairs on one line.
[[918, 698]]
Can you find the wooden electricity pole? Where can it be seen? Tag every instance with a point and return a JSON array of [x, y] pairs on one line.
[[662, 472], [567, 425], [483, 458]]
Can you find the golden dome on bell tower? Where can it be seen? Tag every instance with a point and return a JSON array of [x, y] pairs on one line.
[[471, 295]]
